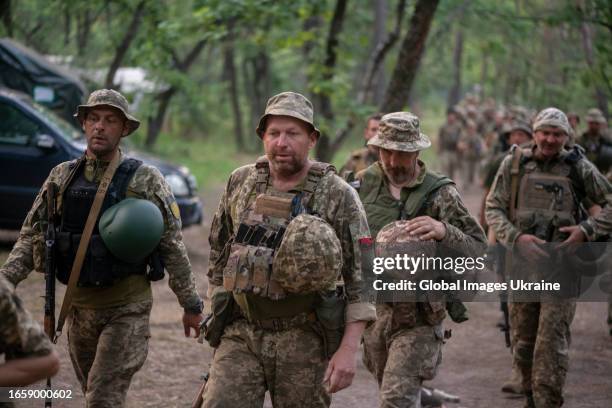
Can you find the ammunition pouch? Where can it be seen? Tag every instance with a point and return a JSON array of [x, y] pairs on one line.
[[222, 314], [330, 321], [155, 267], [457, 311]]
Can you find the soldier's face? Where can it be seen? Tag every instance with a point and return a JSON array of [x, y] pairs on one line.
[[371, 129], [104, 127], [518, 137], [400, 167], [594, 127], [287, 142], [549, 141]]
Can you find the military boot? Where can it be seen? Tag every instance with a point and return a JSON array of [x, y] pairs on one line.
[[514, 385]]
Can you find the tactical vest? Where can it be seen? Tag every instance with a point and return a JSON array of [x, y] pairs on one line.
[[100, 267], [248, 272], [384, 209], [547, 200]]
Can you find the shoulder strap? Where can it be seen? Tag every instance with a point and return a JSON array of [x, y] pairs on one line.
[[369, 182], [84, 242], [263, 174], [421, 194], [517, 153], [124, 174]]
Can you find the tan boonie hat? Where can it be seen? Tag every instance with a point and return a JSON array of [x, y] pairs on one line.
[[288, 104], [400, 131], [108, 97], [595, 115], [551, 117]]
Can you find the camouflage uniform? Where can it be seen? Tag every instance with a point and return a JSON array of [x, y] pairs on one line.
[[286, 358], [542, 329], [109, 326], [448, 136], [404, 346], [359, 160]]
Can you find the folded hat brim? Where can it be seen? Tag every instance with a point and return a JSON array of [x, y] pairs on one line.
[[283, 112], [413, 146], [132, 122]]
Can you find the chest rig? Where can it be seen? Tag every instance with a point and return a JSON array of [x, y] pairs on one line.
[[547, 200], [263, 222], [100, 268]]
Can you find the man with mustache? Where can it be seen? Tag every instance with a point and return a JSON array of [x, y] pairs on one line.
[[110, 304], [403, 347], [272, 340], [534, 200]]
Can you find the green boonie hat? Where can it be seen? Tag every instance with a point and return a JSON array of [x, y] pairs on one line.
[[288, 104], [400, 131], [595, 115], [108, 97], [552, 117], [309, 257]]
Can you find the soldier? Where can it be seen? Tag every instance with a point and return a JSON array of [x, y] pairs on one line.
[[399, 352], [29, 354], [271, 341], [448, 137], [362, 158], [542, 329], [108, 329], [597, 141], [471, 148]]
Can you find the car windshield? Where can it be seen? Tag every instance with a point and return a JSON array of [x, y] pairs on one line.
[[67, 132]]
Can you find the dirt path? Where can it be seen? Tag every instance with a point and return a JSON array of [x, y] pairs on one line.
[[475, 362]]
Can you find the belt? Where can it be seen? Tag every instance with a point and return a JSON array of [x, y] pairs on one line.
[[284, 323]]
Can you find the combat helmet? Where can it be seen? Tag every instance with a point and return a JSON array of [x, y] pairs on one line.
[[309, 258], [131, 229]]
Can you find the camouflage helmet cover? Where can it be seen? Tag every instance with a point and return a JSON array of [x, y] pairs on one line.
[[595, 115], [290, 104], [400, 131], [552, 117], [108, 97], [309, 257]]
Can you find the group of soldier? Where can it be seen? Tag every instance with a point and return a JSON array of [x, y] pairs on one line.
[[287, 276]]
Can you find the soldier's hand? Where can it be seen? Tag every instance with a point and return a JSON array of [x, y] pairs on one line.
[[192, 321], [426, 228], [528, 246], [576, 236], [341, 369]]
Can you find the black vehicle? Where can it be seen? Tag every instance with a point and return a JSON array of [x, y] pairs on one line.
[[33, 140]]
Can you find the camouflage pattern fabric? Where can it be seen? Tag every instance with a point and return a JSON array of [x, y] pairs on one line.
[[358, 160], [108, 97], [542, 345], [334, 201], [400, 131], [595, 115], [147, 183], [248, 362], [450, 158], [309, 257], [288, 104], [552, 117], [401, 359], [20, 335], [107, 347]]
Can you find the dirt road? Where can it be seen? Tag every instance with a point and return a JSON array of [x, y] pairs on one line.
[[475, 361]]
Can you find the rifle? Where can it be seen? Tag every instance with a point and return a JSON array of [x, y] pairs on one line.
[[50, 275], [199, 399]]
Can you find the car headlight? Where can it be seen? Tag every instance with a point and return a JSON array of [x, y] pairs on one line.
[[178, 184]]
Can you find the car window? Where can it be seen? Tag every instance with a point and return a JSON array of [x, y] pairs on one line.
[[66, 131], [15, 127]]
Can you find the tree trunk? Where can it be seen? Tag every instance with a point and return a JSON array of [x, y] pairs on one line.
[[7, 16], [256, 74], [84, 22], [229, 66], [587, 45], [454, 94], [410, 55], [124, 45], [378, 83]]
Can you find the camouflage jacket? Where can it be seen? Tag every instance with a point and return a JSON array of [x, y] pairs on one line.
[[448, 136], [20, 335], [334, 200], [147, 183], [592, 183]]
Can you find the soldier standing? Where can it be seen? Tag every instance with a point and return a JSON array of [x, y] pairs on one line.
[[597, 141], [448, 137], [400, 187], [362, 158], [542, 329], [270, 341], [108, 330], [29, 354]]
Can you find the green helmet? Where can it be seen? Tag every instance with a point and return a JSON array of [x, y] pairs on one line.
[[131, 229], [309, 258]]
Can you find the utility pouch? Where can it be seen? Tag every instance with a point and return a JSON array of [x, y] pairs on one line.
[[434, 312], [404, 315], [155, 268], [230, 272], [222, 312], [457, 311], [330, 321]]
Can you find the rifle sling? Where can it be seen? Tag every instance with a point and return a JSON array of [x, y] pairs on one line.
[[75, 272]]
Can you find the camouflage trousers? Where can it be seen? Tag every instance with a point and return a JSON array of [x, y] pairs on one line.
[[541, 350], [401, 359], [450, 162], [289, 364], [107, 347]]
